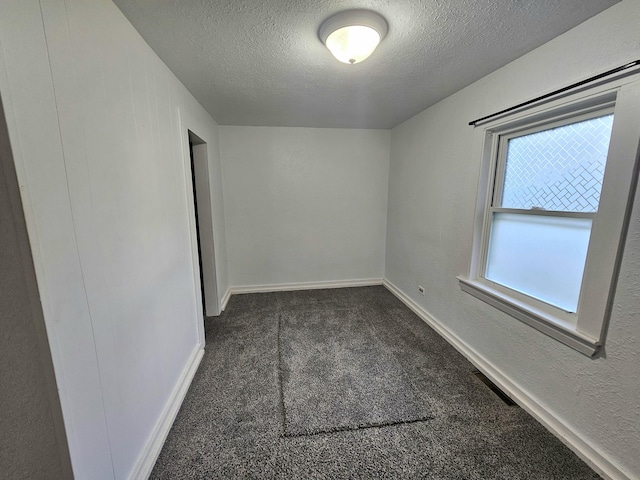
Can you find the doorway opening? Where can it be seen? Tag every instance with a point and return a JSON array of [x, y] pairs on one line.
[[204, 224]]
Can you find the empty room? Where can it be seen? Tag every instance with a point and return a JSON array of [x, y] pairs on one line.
[[290, 239]]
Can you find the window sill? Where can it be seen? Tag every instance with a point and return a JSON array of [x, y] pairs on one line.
[[539, 320]]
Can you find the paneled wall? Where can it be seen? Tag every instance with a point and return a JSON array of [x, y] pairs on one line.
[[98, 125]]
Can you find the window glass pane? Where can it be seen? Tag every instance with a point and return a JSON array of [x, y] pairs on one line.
[[540, 256], [558, 169]]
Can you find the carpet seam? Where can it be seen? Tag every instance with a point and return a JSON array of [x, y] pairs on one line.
[[359, 427], [281, 388]]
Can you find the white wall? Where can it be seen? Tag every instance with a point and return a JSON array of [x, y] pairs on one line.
[[304, 204], [98, 127], [432, 199]]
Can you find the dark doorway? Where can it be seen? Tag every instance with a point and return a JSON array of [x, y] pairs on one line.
[[203, 223], [195, 208]]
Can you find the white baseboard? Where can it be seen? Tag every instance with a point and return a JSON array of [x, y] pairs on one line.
[[225, 300], [281, 287], [587, 452], [149, 455]]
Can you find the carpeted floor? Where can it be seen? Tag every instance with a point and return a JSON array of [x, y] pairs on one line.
[[347, 383]]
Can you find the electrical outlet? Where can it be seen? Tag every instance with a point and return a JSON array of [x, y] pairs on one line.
[[420, 290]]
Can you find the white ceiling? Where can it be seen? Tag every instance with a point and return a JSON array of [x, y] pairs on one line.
[[251, 62]]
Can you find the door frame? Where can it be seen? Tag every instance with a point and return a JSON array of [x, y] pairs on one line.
[[210, 306]]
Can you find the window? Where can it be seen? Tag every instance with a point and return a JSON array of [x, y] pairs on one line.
[[545, 195], [554, 201]]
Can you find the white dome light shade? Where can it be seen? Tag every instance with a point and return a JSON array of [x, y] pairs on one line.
[[353, 44], [353, 35]]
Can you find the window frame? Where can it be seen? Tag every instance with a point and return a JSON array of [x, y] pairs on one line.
[[500, 163], [585, 330]]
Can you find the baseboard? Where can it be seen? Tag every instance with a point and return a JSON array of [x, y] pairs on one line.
[[225, 300], [594, 458], [281, 287], [149, 455]]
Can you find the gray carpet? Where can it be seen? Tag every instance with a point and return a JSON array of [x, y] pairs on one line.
[[337, 375], [347, 383]]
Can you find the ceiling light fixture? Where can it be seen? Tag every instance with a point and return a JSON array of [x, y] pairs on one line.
[[351, 36]]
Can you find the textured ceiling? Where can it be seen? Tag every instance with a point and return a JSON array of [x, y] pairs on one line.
[[251, 62]]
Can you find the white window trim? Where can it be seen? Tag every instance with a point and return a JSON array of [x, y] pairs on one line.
[[584, 331]]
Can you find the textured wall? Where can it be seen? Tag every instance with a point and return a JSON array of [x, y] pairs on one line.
[[98, 126], [33, 442], [304, 204], [432, 199]]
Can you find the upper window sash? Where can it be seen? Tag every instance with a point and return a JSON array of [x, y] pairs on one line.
[[579, 115]]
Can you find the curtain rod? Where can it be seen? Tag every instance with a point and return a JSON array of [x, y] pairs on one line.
[[556, 92]]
